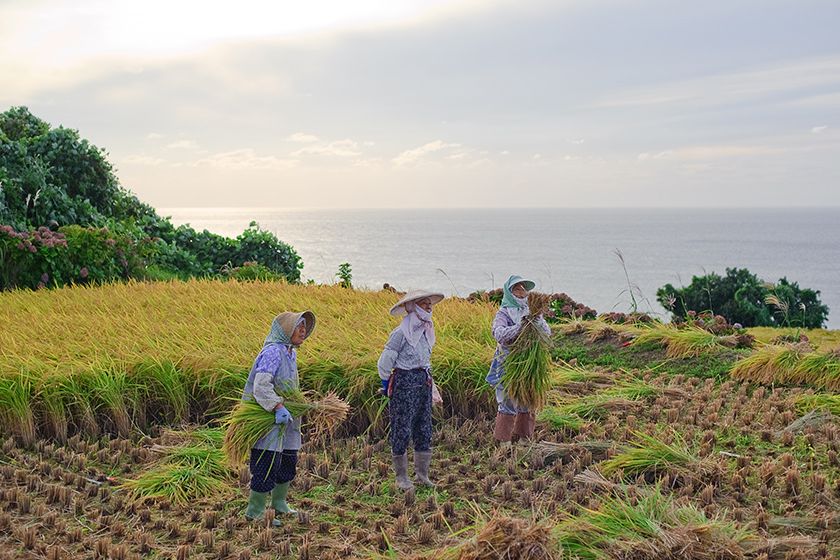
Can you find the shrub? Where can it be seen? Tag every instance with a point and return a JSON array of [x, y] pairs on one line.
[[741, 297]]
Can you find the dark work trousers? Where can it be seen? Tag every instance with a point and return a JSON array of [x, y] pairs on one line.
[[269, 468], [410, 409]]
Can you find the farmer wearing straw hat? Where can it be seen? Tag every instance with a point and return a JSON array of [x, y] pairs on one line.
[[513, 421], [273, 459], [405, 371]]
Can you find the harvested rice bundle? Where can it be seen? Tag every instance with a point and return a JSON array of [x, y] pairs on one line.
[[502, 537], [248, 421], [527, 376]]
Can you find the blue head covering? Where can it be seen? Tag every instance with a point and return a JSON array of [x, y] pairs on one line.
[[508, 299]]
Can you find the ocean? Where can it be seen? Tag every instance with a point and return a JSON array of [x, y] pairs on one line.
[[574, 251]]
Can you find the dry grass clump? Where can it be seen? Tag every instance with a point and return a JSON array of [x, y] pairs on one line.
[[527, 375], [503, 537], [790, 363]]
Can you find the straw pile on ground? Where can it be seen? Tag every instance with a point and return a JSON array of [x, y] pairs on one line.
[[503, 537], [527, 376]]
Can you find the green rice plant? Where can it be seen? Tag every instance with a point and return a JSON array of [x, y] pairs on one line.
[[16, 411], [650, 525], [112, 388], [807, 403], [559, 420], [54, 402], [527, 373], [165, 389], [651, 455], [680, 343]]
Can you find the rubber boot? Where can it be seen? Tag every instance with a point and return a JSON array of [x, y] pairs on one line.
[[422, 459], [401, 468], [504, 428], [523, 425], [256, 506], [278, 499]]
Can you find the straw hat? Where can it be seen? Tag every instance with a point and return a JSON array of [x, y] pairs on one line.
[[289, 319], [415, 295]]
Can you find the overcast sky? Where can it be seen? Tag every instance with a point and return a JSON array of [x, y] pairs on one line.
[[419, 103]]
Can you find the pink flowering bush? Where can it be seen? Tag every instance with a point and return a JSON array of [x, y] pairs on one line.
[[40, 258]]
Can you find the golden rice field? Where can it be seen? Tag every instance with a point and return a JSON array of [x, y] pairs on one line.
[[629, 461], [142, 351]]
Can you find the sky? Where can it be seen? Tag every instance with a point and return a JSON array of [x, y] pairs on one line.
[[433, 103]]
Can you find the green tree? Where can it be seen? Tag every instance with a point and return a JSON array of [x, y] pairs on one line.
[[742, 297]]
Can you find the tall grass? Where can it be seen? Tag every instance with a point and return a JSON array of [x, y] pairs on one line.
[[179, 350]]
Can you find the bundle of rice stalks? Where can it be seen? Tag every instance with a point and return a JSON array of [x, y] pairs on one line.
[[790, 363], [649, 455], [248, 421], [179, 484], [650, 526], [527, 376], [558, 420], [185, 473], [807, 403], [503, 537], [680, 343]]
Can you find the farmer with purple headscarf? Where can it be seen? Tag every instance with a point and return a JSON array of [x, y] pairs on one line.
[[273, 458], [513, 421], [405, 371]]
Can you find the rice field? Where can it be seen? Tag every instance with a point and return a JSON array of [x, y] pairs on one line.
[[112, 443]]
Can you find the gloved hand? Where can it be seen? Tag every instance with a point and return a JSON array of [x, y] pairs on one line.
[[385, 383], [282, 415]]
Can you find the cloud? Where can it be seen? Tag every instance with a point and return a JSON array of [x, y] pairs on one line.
[[338, 148], [416, 154], [819, 129], [244, 159], [183, 145], [792, 78], [142, 159], [302, 138], [154, 136], [711, 152]]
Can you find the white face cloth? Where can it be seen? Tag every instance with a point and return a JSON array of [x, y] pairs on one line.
[[416, 322], [516, 313]]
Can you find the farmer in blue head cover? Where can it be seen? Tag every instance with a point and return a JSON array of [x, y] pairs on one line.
[[406, 374], [513, 421], [274, 458]]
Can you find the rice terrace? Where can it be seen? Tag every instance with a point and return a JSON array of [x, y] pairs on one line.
[[655, 441]]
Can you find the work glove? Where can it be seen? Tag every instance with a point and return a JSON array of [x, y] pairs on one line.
[[282, 415], [385, 383]]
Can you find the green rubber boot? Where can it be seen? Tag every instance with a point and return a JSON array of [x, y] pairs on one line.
[[256, 505], [278, 499]]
